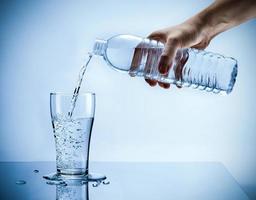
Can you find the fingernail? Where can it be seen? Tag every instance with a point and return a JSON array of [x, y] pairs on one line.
[[150, 82], [163, 69], [164, 85]]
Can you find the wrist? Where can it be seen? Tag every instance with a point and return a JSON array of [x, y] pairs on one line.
[[209, 23], [205, 31], [220, 16]]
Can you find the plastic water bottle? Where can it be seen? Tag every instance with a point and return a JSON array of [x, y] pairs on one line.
[[195, 68]]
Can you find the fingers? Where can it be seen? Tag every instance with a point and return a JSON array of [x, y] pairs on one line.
[[201, 45], [165, 59], [182, 56], [148, 69], [164, 85], [136, 60], [167, 56], [140, 49], [152, 83], [157, 35]]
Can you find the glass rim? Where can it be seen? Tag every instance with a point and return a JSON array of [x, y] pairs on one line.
[[71, 94]]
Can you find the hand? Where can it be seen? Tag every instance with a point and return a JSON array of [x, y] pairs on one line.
[[189, 34], [196, 32]]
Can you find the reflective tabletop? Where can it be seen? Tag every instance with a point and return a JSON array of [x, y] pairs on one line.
[[128, 180]]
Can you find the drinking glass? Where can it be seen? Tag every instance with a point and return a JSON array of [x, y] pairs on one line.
[[72, 121], [72, 133]]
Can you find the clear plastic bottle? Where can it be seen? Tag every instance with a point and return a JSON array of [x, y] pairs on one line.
[[196, 68]]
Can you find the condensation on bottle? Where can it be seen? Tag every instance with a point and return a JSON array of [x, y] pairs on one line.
[[191, 67]]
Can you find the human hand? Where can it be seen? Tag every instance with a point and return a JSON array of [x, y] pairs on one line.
[[191, 33], [186, 35], [196, 32]]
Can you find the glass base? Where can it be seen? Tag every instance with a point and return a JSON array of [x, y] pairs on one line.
[[58, 179], [71, 172]]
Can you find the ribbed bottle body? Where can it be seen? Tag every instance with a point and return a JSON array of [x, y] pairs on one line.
[[190, 67]]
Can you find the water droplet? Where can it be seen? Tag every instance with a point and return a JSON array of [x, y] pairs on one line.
[[21, 182], [84, 182], [106, 183], [96, 184], [36, 171]]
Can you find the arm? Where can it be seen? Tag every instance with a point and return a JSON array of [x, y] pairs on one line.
[[198, 31]]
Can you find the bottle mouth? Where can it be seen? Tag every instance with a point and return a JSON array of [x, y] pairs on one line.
[[99, 47]]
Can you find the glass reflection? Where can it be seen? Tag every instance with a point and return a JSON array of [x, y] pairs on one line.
[[72, 192]]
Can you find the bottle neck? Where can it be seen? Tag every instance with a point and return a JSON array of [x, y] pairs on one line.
[[99, 47]]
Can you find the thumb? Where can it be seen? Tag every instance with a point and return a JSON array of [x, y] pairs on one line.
[[167, 56]]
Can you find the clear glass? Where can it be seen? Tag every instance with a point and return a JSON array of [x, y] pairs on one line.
[[72, 133]]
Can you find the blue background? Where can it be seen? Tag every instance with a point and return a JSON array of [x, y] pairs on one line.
[[44, 43]]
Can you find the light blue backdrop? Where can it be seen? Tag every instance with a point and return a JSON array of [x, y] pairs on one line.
[[43, 44]]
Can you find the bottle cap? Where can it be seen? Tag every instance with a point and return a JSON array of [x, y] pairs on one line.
[[99, 47]]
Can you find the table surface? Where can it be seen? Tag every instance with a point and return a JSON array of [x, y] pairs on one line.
[[128, 180]]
